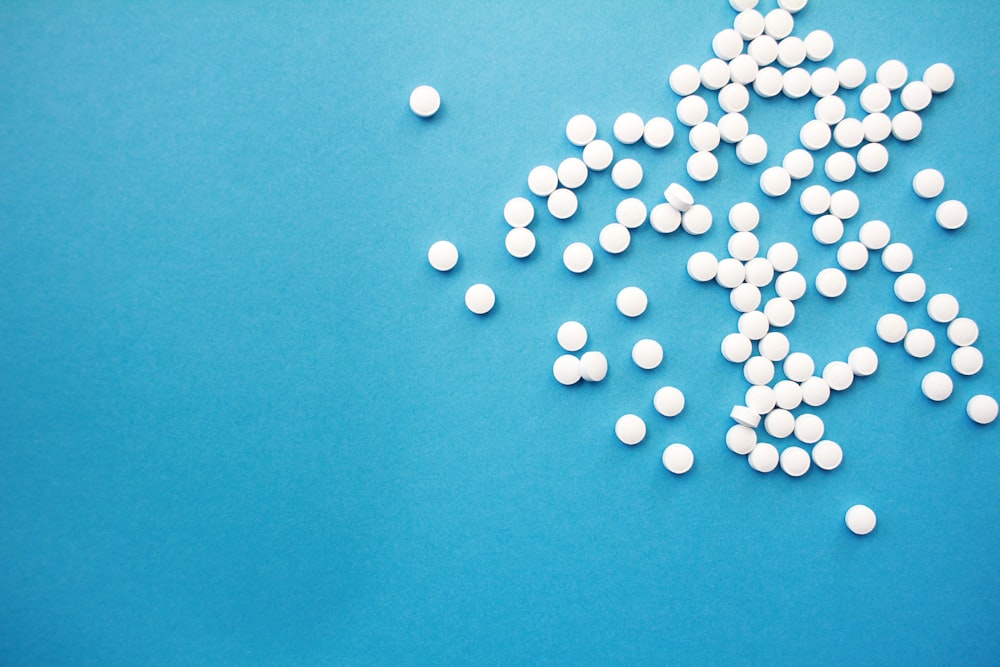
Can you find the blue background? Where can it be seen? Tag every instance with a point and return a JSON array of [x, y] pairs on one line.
[[243, 422]]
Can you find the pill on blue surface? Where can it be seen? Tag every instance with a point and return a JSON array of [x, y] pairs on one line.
[[830, 110], [578, 257], [626, 174], [658, 132], [831, 282], [860, 519], [704, 136], [780, 311], [749, 23], [891, 74], [928, 183], [852, 73], [891, 328], [744, 217], [982, 409], [741, 439], [668, 401], [702, 166], [875, 98], [520, 242], [863, 361], [783, 256], [518, 212], [760, 398], [798, 366], [702, 266], [897, 257], [679, 197], [844, 204], [825, 82], [779, 23], [815, 391], [741, 5], [698, 219], [631, 301], [906, 125], [692, 110], [774, 346], [615, 238], [628, 128], [852, 255], [562, 203], [678, 458], [963, 331], [967, 360], [758, 370], [951, 214], [840, 167], [443, 255], [819, 45], [937, 386], [809, 428], [745, 298], [759, 272], [919, 343], [566, 369], [631, 212], [630, 429], [787, 394], [743, 69], [769, 82], [942, 308], [664, 218], [593, 366], [827, 454], [796, 83], [752, 149], [793, 6], [647, 354], [727, 44], [764, 51], [849, 133], [815, 200], [795, 461], [753, 324], [684, 79], [730, 272], [763, 457], [877, 126], [733, 127], [916, 96], [838, 375], [790, 285], [743, 415], [598, 155], [791, 51], [572, 172], [874, 234], [736, 348], [798, 163], [581, 130], [543, 179], [939, 77], [480, 299], [571, 335], [775, 181], [743, 245], [425, 101], [910, 287], [873, 158], [714, 73]]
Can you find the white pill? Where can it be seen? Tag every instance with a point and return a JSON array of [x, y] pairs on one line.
[[572, 336], [760, 398], [679, 197], [963, 331], [615, 238], [626, 174], [791, 51], [831, 282], [572, 172], [791, 285], [863, 361], [891, 74], [792, 6], [562, 203], [581, 130], [778, 23], [982, 409], [774, 346], [877, 126], [630, 429], [783, 256], [631, 301], [741, 439], [951, 214], [844, 204], [730, 273], [838, 375], [704, 136], [752, 149], [749, 23], [578, 257], [919, 343], [852, 256], [628, 128], [910, 287], [753, 324], [815, 135], [852, 73], [598, 155], [714, 73], [798, 163], [780, 312], [744, 416], [937, 386], [543, 180], [684, 79], [658, 133], [775, 181], [939, 77], [825, 82], [840, 167], [764, 50], [942, 308], [798, 366], [891, 328], [906, 125], [678, 458], [443, 255], [796, 83], [860, 519], [875, 98], [758, 370], [764, 457], [520, 242], [425, 101], [787, 395], [631, 212], [744, 217], [743, 245], [734, 98], [518, 212], [593, 366], [566, 369], [745, 298], [849, 133], [697, 220], [692, 110], [702, 266], [928, 183], [815, 391], [647, 354], [897, 257], [743, 69], [830, 110], [815, 200], [808, 428], [916, 96], [480, 299], [779, 423], [702, 166], [736, 348], [967, 360], [819, 45], [664, 218], [795, 461], [668, 401], [733, 127], [727, 44], [874, 234], [759, 272]]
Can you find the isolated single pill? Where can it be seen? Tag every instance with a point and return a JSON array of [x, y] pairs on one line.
[[831, 282], [578, 257], [581, 130], [668, 401], [891, 328], [702, 166], [647, 354], [939, 77], [626, 174], [937, 386], [684, 79], [951, 214], [910, 287], [631, 301], [963, 331], [741, 439], [982, 409], [678, 458], [593, 366], [919, 343], [967, 360], [863, 361], [795, 461], [518, 212], [775, 181], [942, 308], [598, 155], [571, 335], [874, 234], [764, 457], [520, 242], [873, 158], [630, 429], [751, 150], [480, 299], [562, 203], [425, 101], [543, 180], [702, 266], [736, 348], [860, 519], [566, 369], [741, 5], [443, 255], [827, 455], [897, 257], [838, 375], [615, 238]]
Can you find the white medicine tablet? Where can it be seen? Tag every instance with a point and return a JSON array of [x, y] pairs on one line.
[[759, 272], [916, 96], [863, 361], [572, 336], [937, 386], [758, 370], [702, 166], [647, 354], [704, 136], [702, 266], [764, 50], [480, 299], [543, 180], [668, 401], [779, 423], [852, 73], [631, 301], [626, 174], [697, 220], [815, 391], [425, 101], [769, 81], [743, 69], [664, 218], [744, 217], [783, 256], [763, 457], [787, 395], [919, 343], [793, 6], [518, 212], [967, 360], [578, 257], [774, 346], [860, 519], [838, 375], [874, 234], [844, 204], [593, 366], [849, 133], [827, 454], [815, 200], [951, 214], [795, 461], [963, 331], [780, 312], [692, 110], [562, 203], [743, 245], [892, 74], [581, 130], [830, 110], [910, 287], [520, 242], [753, 324], [778, 23], [825, 82], [906, 125], [891, 328], [741, 439], [615, 238], [727, 44], [897, 257], [736, 348], [928, 183], [598, 155], [809, 428], [752, 149], [852, 256], [730, 273], [942, 308], [628, 128], [714, 73], [840, 167], [760, 398], [566, 369], [790, 285], [679, 197], [877, 126], [791, 51], [745, 297], [658, 133], [939, 77], [982, 409], [733, 127], [831, 282], [572, 172], [744, 416], [684, 79], [630, 429], [443, 255], [798, 366], [798, 163], [678, 458], [873, 158], [796, 83], [749, 23], [819, 45], [631, 212], [775, 181]]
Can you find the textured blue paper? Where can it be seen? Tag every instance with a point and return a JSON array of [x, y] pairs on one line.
[[243, 422]]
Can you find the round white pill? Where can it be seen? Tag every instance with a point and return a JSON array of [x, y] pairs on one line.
[[749, 23], [798, 163], [791, 285], [891, 328], [919, 343], [578, 257], [875, 98], [916, 96], [758, 370], [838, 375], [581, 130], [745, 297], [736, 348], [874, 234], [658, 132], [844, 204], [808, 428], [425, 101], [830, 110], [626, 174], [891, 74], [702, 166], [668, 401], [647, 354], [787, 394], [630, 429], [753, 324], [752, 149], [873, 158], [792, 6], [480, 299], [734, 98], [819, 45], [774, 346], [520, 242], [863, 361], [937, 386], [679, 197], [780, 312], [518, 212], [779, 423], [615, 238], [631, 212], [702, 266], [543, 180], [443, 255], [562, 203], [825, 82], [815, 200], [763, 457], [704, 136], [791, 51], [692, 110], [982, 409], [572, 172], [730, 273], [769, 81], [775, 181], [763, 49], [815, 391], [733, 127], [906, 125], [942, 308], [664, 218], [910, 287], [598, 155], [744, 217], [628, 128], [778, 23], [759, 272], [566, 369], [852, 73], [831, 282], [697, 220], [815, 135], [963, 331], [678, 458], [795, 461], [796, 83], [967, 360], [684, 79], [798, 366], [928, 183], [951, 214], [849, 133], [783, 256], [743, 415], [897, 257], [727, 44], [743, 245], [743, 69], [714, 73], [572, 336], [939, 77], [877, 126], [593, 366], [860, 519], [840, 167], [741, 439], [827, 454], [852, 256], [631, 301]]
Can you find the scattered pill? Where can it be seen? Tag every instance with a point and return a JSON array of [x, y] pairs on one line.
[[664, 218], [844, 204], [907, 126], [827, 455], [815, 391], [741, 439], [919, 343], [939, 77], [897, 257], [798, 366], [759, 272], [830, 109], [963, 331], [795, 461], [702, 166], [780, 312], [668, 401], [749, 23], [791, 51], [704, 136], [744, 217], [658, 132], [443, 255], [678, 458], [758, 370], [791, 285], [543, 180], [572, 173], [863, 361], [685, 79], [647, 354], [598, 155], [698, 219], [942, 308], [982, 409], [581, 130], [775, 181], [615, 238], [774, 346], [753, 324], [572, 336], [877, 126], [874, 234], [518, 212], [736, 348], [875, 98], [778, 23], [951, 214], [793, 6], [628, 128], [764, 457], [783, 256], [967, 360], [819, 45], [626, 174], [787, 394], [630, 429], [745, 298], [562, 203], [838, 375], [631, 301], [727, 44], [891, 74], [702, 266], [840, 167], [714, 73], [831, 282], [743, 245], [743, 415], [425, 101], [891, 328], [916, 96], [873, 158], [852, 256], [631, 212], [679, 197], [480, 299], [733, 127], [910, 287], [937, 386], [779, 423], [743, 69], [815, 200], [849, 133], [731, 272], [798, 163], [860, 519], [692, 110], [566, 369], [764, 50], [578, 257], [593, 366], [808, 428], [815, 135], [520, 242], [769, 81], [751, 150], [852, 73]]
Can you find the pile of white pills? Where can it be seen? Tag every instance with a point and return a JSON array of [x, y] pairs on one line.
[[761, 56]]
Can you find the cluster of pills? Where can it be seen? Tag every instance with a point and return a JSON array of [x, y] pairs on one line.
[[758, 57]]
